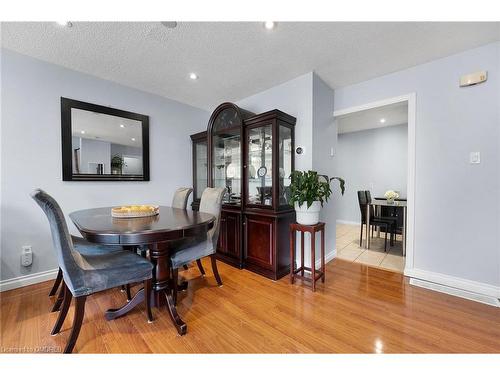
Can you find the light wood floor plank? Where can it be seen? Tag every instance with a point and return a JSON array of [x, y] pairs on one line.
[[359, 309]]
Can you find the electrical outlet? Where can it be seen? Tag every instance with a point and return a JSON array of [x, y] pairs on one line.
[[26, 256]]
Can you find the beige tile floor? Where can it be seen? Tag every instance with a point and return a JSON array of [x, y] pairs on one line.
[[348, 249]]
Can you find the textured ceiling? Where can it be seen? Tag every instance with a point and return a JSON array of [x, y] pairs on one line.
[[393, 114], [237, 59]]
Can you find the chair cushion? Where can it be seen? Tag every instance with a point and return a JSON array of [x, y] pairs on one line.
[[191, 253], [105, 271], [85, 247]]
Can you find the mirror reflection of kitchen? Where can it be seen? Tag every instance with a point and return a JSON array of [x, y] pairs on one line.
[[105, 144]]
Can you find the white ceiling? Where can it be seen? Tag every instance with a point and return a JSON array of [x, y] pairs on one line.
[[237, 59], [393, 114], [103, 127]]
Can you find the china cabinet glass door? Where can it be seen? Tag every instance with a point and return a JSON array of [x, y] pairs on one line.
[[201, 168], [259, 165], [227, 165], [285, 156]]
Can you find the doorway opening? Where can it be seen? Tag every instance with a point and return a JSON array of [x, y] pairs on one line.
[[375, 153]]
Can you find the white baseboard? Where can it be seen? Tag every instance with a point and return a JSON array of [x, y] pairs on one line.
[[328, 257], [34, 278], [468, 289], [348, 222]]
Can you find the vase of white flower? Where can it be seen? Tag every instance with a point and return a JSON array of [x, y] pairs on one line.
[[390, 195]]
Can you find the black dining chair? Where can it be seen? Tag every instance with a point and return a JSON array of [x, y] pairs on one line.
[[374, 221], [198, 248], [83, 275], [392, 220]]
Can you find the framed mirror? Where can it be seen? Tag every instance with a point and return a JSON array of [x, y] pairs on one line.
[[103, 144]]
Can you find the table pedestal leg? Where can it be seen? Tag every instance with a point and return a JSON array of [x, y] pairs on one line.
[[111, 314], [159, 254]]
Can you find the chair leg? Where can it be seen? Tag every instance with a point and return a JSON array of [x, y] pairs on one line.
[[147, 291], [63, 312], [175, 286], [77, 323], [60, 298], [57, 282], [200, 267], [361, 236], [385, 241], [127, 289], [215, 270]]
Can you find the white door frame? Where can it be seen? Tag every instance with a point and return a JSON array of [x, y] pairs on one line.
[[411, 98]]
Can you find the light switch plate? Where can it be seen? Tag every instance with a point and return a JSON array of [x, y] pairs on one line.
[[475, 157]]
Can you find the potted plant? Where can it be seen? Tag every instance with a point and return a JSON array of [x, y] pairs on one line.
[[309, 190], [117, 164]]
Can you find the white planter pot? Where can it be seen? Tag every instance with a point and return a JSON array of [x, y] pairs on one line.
[[308, 216]]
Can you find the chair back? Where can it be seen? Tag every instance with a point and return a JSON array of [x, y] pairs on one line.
[[369, 200], [70, 261], [211, 202], [180, 198], [362, 204]]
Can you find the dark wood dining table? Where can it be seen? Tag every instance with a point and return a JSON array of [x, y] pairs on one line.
[[157, 233]]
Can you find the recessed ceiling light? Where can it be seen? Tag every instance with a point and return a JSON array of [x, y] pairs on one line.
[[65, 23], [122, 126], [269, 25], [382, 120], [193, 76], [83, 132], [133, 139]]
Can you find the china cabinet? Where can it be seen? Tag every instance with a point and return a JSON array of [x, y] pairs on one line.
[[252, 157]]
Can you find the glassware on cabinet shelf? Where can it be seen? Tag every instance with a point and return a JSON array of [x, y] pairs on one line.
[[227, 164], [260, 157]]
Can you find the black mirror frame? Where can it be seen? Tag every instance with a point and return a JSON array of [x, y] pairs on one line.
[[67, 148]]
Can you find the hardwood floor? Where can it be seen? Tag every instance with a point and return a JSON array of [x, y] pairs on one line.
[[359, 310]]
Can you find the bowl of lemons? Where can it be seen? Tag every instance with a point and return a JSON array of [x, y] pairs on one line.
[[135, 211]]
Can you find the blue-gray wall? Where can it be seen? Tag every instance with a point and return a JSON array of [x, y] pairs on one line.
[[375, 160], [457, 223], [31, 152]]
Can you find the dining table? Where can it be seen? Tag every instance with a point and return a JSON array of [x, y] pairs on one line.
[[158, 233], [377, 204]]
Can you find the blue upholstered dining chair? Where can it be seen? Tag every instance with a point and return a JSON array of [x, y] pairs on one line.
[[197, 248], [181, 197], [85, 248], [84, 275]]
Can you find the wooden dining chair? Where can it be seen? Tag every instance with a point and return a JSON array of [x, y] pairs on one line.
[[211, 202], [83, 275]]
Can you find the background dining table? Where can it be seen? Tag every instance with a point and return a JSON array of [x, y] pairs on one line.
[[378, 203], [156, 233]]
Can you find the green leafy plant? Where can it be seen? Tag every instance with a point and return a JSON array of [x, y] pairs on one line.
[[310, 186], [117, 161]]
